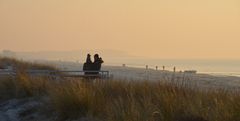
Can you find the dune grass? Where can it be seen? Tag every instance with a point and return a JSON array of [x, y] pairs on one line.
[[143, 101], [114, 100], [22, 85], [19, 65]]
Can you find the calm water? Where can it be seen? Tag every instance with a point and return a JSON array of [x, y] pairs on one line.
[[215, 67]]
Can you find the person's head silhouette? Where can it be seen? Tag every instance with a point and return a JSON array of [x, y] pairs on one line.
[[88, 59], [96, 57]]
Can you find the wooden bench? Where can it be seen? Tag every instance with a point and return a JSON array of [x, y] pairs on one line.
[[67, 73]]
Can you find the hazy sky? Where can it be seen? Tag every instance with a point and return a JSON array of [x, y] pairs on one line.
[[150, 28]]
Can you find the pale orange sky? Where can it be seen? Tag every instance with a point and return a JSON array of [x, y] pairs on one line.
[[151, 28]]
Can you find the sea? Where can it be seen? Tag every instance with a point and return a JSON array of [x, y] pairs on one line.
[[213, 67]]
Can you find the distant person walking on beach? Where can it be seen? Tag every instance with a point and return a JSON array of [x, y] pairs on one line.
[[174, 69]]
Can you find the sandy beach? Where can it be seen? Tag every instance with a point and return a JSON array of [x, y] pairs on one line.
[[141, 74]]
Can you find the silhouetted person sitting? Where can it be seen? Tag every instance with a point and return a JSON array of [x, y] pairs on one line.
[[87, 66], [97, 62], [92, 66], [88, 60]]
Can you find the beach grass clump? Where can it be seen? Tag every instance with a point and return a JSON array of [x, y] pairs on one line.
[[7, 88], [28, 86], [21, 84], [144, 101], [70, 99]]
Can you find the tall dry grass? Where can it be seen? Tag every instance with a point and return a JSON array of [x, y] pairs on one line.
[[143, 101], [22, 85], [115, 100]]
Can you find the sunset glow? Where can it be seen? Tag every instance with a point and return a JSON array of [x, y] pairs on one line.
[[149, 28]]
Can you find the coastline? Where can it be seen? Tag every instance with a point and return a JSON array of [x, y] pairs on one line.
[[200, 79]]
